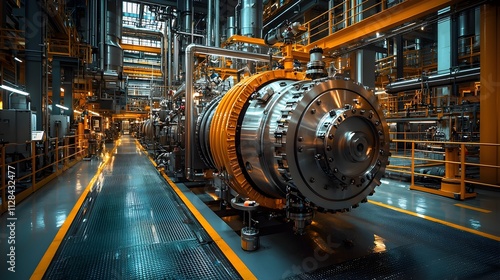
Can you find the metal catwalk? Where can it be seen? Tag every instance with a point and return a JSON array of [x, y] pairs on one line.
[[132, 226]]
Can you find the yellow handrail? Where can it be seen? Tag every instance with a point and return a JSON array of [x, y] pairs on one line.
[[418, 157], [27, 170]]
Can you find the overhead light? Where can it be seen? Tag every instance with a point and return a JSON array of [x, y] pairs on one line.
[[14, 90], [423, 122], [78, 112], [403, 27], [62, 107], [94, 113], [62, 89], [18, 59]]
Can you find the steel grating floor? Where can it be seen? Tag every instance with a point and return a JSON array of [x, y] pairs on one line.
[[133, 227]]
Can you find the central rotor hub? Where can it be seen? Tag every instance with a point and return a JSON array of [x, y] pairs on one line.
[[346, 143], [358, 148]]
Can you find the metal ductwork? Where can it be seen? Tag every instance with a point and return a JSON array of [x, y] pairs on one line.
[[110, 49], [231, 27], [251, 18]]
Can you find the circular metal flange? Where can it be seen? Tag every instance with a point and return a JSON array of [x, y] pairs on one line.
[[223, 131], [339, 152], [351, 151], [202, 132]]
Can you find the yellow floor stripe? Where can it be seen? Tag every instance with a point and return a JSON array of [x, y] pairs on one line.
[[238, 264], [44, 263], [473, 208], [483, 234]]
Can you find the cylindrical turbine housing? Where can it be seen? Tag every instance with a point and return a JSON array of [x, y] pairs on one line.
[[325, 138]]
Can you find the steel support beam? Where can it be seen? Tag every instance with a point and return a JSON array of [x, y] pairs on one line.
[[34, 57], [490, 87], [67, 85], [380, 22], [127, 47], [56, 86]]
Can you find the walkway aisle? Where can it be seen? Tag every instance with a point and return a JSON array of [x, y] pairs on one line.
[[136, 229]]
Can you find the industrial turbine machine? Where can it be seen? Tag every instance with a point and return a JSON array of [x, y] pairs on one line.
[[296, 143]]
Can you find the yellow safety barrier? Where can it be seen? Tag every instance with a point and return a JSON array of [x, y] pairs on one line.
[[32, 170], [462, 169]]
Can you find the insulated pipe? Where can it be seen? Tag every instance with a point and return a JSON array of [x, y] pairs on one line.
[[216, 31], [180, 91], [237, 17], [114, 52], [169, 50], [249, 23], [191, 50], [188, 16], [177, 44], [102, 35], [209, 23], [164, 57], [231, 27]]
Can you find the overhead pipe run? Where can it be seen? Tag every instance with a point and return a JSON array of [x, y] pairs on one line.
[[460, 76]]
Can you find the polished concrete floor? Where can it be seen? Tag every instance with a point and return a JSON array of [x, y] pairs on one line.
[[40, 216], [398, 234]]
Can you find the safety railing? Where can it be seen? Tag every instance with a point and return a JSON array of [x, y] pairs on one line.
[[451, 169], [342, 15], [11, 39], [425, 103], [69, 46], [469, 50], [26, 167], [142, 71], [272, 7], [418, 59]]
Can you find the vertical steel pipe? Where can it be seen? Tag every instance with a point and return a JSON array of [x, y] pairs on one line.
[[191, 50]]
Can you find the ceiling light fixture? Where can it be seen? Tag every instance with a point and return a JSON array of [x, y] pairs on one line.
[[62, 107], [14, 90]]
